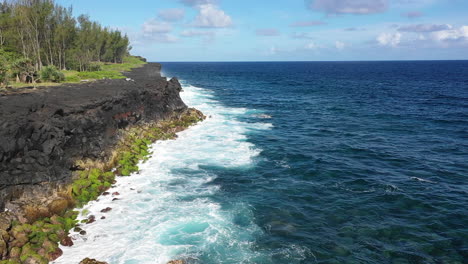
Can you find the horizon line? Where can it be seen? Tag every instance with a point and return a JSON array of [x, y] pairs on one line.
[[422, 60]]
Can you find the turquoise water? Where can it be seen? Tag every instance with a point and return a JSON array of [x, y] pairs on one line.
[[300, 163]]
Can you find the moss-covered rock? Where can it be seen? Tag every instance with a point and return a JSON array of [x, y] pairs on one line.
[[3, 248], [15, 253]]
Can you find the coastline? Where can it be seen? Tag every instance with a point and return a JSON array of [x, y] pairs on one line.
[[31, 229]]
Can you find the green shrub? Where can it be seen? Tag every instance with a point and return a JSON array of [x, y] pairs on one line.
[[95, 66], [90, 185], [51, 74]]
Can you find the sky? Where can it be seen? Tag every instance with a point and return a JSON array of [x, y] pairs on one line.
[[286, 30]]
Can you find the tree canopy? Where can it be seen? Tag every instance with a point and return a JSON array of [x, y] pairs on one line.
[[38, 33]]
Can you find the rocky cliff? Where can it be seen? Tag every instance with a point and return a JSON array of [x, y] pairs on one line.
[[43, 132]]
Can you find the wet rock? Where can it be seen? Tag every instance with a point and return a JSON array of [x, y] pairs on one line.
[[105, 193], [91, 219], [179, 261], [66, 242], [82, 232], [105, 210], [103, 217], [115, 193], [92, 261], [51, 256], [115, 199]]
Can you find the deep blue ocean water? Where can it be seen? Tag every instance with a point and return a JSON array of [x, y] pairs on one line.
[[367, 162], [300, 162]]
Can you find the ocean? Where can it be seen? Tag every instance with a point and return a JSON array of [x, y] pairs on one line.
[[299, 162]]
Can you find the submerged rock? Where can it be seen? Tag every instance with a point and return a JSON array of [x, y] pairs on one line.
[[179, 261], [92, 261], [91, 219], [66, 242], [105, 210], [55, 254]]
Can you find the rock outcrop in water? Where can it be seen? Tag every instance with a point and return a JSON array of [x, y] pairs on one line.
[[43, 132]]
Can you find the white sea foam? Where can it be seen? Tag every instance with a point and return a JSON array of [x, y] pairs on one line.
[[167, 211]]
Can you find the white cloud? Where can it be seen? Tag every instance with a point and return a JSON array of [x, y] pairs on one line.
[[156, 31], [308, 23], [311, 46], [195, 33], [198, 2], [302, 35], [340, 45], [269, 32], [412, 14], [273, 50], [389, 39], [211, 16], [358, 7], [162, 38], [155, 26], [425, 28], [171, 14], [457, 34]]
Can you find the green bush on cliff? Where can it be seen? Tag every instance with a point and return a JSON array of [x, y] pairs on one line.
[[90, 185], [51, 74]]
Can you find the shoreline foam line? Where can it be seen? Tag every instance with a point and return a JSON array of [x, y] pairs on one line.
[[167, 211]]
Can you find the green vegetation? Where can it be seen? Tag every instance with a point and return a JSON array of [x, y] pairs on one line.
[[51, 74], [41, 41], [90, 185]]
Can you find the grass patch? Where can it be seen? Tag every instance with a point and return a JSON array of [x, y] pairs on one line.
[[100, 75], [108, 71]]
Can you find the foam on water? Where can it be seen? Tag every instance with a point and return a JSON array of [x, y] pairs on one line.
[[167, 211]]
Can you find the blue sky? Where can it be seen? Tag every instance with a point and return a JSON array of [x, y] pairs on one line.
[[286, 30]]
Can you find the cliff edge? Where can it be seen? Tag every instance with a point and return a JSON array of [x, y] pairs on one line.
[[43, 133]]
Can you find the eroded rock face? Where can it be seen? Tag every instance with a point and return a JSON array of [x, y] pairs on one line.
[[43, 133]]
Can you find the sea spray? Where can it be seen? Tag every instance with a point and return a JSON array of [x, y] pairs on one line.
[[169, 210]]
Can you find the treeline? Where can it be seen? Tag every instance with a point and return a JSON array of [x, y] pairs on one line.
[[38, 33]]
